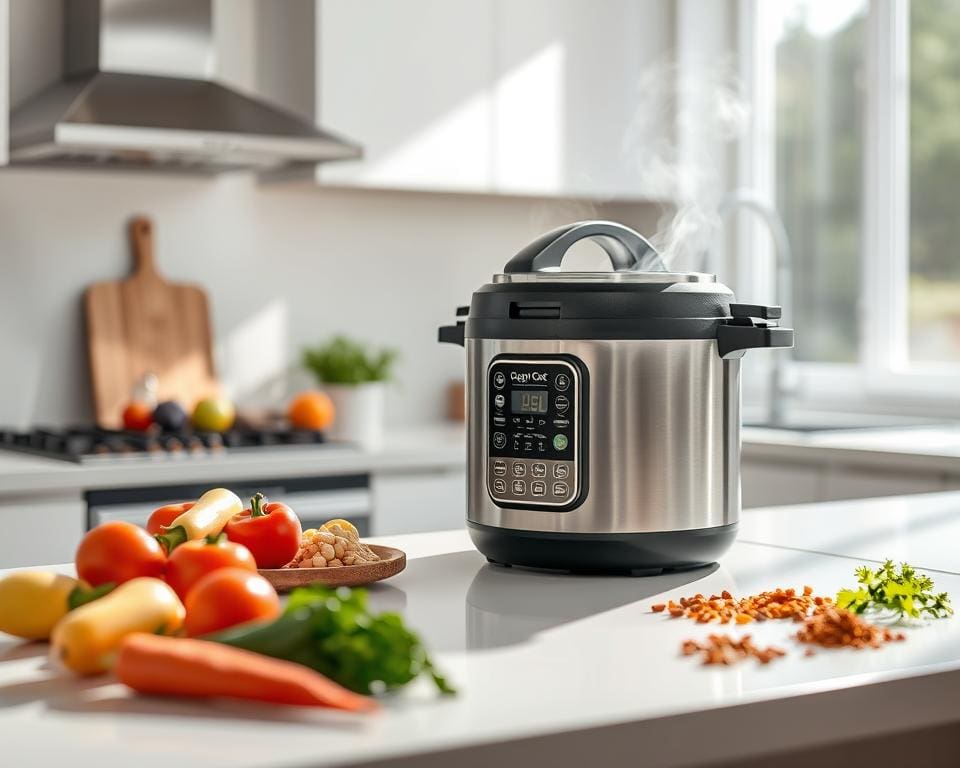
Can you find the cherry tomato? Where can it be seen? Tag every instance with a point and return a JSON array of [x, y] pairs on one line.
[[227, 597], [161, 518], [137, 416], [193, 560], [270, 530], [117, 552]]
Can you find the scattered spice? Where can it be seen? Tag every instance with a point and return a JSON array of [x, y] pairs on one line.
[[724, 649], [837, 628], [724, 608]]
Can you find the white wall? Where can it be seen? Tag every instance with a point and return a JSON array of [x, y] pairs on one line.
[[283, 266]]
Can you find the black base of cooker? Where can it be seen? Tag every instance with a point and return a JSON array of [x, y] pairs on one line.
[[637, 554]]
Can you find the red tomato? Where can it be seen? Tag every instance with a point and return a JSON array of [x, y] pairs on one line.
[[193, 560], [271, 531], [161, 518], [137, 416], [117, 552], [227, 597]]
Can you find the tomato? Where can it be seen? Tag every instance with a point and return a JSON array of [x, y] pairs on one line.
[[271, 531], [161, 518], [227, 597], [117, 552], [193, 560], [137, 416]]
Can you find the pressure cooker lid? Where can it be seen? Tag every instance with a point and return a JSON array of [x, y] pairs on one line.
[[639, 299], [632, 258]]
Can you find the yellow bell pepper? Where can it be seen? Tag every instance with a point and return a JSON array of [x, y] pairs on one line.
[[205, 518], [86, 639], [32, 602]]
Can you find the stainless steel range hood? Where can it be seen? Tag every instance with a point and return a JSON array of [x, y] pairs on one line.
[[138, 91]]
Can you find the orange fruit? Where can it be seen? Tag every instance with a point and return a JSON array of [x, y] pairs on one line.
[[311, 410]]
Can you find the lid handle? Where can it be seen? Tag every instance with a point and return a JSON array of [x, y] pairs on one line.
[[628, 250]]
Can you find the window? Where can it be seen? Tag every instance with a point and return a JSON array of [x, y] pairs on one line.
[[934, 299], [861, 108]]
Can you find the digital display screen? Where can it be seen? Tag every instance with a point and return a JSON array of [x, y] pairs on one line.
[[528, 401]]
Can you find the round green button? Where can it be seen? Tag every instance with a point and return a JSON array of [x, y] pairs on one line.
[[560, 442]]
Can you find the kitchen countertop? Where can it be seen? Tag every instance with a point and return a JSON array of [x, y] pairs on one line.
[[559, 669], [934, 448], [435, 446]]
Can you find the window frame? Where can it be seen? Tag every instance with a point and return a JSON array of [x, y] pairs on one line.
[[883, 380]]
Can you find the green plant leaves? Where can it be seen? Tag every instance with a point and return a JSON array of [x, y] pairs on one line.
[[344, 361], [902, 592]]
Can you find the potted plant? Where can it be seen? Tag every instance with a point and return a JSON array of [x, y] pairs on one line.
[[355, 377]]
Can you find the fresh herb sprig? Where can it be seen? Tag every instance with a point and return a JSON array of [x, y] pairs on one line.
[[333, 632], [902, 592]]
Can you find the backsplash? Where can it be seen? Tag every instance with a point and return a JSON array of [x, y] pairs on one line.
[[283, 266]]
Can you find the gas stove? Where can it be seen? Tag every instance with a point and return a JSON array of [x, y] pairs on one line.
[[90, 444]]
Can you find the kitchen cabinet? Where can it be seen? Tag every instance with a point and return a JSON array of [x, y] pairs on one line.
[[860, 483], [501, 96], [40, 528], [413, 502], [769, 483]]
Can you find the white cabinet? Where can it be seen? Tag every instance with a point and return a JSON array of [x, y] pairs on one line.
[[411, 82], [428, 500], [41, 529], [772, 483], [860, 483], [540, 97]]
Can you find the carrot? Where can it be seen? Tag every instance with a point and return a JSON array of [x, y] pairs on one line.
[[173, 666]]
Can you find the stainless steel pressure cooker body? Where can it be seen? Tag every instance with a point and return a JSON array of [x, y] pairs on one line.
[[603, 409]]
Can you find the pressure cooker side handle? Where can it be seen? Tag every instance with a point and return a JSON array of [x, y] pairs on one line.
[[454, 334], [627, 249], [734, 340]]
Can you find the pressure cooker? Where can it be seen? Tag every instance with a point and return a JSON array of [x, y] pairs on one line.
[[603, 408]]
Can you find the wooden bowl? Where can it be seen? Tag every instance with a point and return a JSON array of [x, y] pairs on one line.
[[391, 562]]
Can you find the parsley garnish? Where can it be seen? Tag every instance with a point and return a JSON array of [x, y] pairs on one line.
[[902, 592]]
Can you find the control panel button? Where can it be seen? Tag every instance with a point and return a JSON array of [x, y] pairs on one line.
[[499, 401], [527, 446], [519, 487], [562, 382], [561, 471], [499, 380], [500, 467], [519, 469], [539, 469], [499, 485], [559, 423], [500, 421], [499, 439], [538, 488], [560, 442], [560, 489], [561, 403]]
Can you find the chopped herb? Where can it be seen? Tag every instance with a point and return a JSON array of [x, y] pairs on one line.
[[902, 592]]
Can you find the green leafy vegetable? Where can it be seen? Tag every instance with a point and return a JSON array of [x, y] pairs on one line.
[[344, 361], [333, 632], [903, 592]]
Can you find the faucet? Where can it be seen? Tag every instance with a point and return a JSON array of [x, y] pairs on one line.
[[756, 203]]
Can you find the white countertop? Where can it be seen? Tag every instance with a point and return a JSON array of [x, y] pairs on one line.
[[554, 668], [435, 446], [934, 448]]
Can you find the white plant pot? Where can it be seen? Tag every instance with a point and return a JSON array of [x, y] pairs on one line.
[[359, 413]]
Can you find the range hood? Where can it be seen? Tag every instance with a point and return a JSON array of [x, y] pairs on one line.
[[138, 92]]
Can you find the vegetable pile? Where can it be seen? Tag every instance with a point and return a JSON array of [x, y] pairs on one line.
[[193, 571]]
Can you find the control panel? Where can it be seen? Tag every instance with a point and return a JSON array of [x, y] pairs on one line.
[[535, 417]]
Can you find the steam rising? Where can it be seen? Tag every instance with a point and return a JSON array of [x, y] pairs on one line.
[[678, 144]]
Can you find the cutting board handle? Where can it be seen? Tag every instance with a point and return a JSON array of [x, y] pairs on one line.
[[141, 240]]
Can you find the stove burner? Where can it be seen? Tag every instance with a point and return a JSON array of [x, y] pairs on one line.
[[79, 444]]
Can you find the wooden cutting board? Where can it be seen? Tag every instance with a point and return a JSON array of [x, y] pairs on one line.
[[142, 325]]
